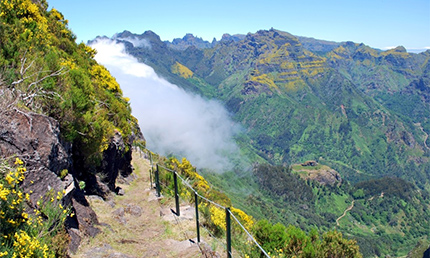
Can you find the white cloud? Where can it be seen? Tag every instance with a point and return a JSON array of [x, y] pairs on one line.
[[172, 120], [138, 43], [388, 48]]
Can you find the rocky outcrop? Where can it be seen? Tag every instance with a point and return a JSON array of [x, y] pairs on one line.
[[311, 163], [35, 139], [324, 175], [116, 161]]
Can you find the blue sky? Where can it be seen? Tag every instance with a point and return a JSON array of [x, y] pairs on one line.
[[377, 23]]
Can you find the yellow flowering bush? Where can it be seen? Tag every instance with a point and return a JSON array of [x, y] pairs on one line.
[[24, 233], [102, 76]]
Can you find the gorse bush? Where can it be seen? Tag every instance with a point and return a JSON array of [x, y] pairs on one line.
[[47, 72], [27, 232]]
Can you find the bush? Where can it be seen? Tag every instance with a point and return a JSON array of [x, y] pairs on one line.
[[25, 233]]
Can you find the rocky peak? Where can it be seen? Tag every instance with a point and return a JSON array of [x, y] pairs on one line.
[[187, 41]]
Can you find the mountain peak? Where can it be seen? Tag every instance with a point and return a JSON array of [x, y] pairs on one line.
[[188, 40]]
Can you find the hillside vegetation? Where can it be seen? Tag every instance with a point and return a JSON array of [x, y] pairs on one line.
[[70, 109], [361, 112], [44, 70]]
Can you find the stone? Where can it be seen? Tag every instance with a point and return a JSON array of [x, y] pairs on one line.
[[119, 191], [116, 161], [75, 239], [85, 216], [119, 215], [133, 210], [35, 139]]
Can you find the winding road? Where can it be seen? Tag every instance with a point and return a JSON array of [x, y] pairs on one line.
[[424, 132], [344, 213]]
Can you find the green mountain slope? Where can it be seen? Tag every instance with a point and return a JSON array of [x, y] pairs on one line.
[[297, 105], [361, 111]]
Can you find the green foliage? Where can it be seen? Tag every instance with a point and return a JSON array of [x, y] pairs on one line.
[[51, 74], [64, 173], [360, 111], [389, 186], [293, 242], [25, 233]]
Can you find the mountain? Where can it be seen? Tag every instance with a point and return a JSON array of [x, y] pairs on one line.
[[361, 112], [298, 105], [189, 40]]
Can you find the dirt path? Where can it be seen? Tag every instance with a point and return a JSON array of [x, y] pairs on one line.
[[137, 225], [344, 213], [424, 132]]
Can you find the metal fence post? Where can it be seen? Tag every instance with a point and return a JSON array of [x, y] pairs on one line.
[[196, 200], [228, 229], [175, 180], [157, 181], [151, 172]]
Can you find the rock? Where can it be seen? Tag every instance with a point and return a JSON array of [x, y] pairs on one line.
[[35, 139], [119, 215], [119, 191], [86, 218], [134, 210], [326, 177], [75, 239], [95, 186], [116, 161]]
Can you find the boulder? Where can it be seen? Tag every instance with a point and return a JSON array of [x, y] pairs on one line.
[[35, 139]]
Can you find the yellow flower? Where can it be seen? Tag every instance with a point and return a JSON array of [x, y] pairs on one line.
[[9, 179], [3, 253], [4, 193], [18, 161]]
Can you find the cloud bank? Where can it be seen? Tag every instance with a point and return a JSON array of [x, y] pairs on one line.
[[172, 120], [137, 43]]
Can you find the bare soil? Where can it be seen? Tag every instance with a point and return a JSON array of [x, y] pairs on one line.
[[139, 224]]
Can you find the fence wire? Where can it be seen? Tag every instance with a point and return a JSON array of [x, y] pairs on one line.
[[187, 184]]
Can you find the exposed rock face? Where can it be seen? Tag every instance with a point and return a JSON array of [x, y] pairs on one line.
[[327, 177], [116, 161], [35, 139], [324, 175]]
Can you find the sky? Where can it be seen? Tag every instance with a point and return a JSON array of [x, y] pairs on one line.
[[380, 24]]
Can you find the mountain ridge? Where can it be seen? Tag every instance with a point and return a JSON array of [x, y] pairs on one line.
[[350, 107]]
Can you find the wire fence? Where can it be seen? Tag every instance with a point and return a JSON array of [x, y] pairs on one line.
[[232, 236]]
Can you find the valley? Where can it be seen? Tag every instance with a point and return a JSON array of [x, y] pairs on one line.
[[348, 106]]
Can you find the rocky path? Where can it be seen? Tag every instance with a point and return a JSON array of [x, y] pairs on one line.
[[138, 225], [344, 213]]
